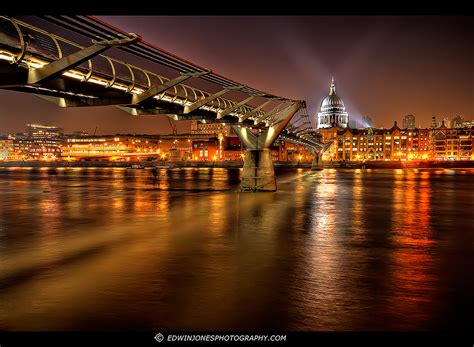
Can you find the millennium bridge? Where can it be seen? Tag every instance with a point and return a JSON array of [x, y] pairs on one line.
[[61, 59]]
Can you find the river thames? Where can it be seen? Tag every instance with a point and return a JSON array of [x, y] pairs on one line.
[[183, 249]]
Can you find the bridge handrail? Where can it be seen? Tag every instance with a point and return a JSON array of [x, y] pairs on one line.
[[102, 28], [26, 49]]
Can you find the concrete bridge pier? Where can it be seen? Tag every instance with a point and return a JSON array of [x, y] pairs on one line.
[[316, 164], [318, 156], [258, 172]]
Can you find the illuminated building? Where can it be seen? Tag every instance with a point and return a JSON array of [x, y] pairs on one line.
[[80, 133], [7, 151], [441, 143], [468, 124], [233, 149], [228, 144], [43, 131], [409, 121], [112, 147], [328, 135], [291, 152], [378, 144], [452, 144], [40, 142], [39, 148], [333, 112], [198, 127], [205, 150]]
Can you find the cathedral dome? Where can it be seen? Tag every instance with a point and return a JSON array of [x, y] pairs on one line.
[[333, 112], [332, 100]]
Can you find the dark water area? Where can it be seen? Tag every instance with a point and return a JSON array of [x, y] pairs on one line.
[[183, 249]]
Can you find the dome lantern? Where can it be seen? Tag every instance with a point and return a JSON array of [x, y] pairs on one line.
[[332, 88]]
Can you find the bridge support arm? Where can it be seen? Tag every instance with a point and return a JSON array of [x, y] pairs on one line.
[[318, 155], [59, 66], [284, 118], [228, 110], [199, 103], [255, 110], [248, 138], [267, 114], [158, 89]]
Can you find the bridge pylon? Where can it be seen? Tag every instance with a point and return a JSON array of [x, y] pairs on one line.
[[318, 154], [258, 171]]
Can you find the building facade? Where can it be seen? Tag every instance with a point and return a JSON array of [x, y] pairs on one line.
[[39, 148], [440, 143], [468, 124], [214, 129], [110, 147], [7, 149], [452, 144], [43, 131]]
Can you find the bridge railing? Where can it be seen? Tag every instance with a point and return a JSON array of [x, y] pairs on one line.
[[33, 47], [29, 46]]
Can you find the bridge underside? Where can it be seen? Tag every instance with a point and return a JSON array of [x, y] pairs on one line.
[[67, 92], [34, 60]]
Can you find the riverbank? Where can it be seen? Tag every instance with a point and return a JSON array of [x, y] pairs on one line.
[[397, 164], [238, 164]]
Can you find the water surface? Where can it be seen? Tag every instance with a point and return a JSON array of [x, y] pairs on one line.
[[183, 249]]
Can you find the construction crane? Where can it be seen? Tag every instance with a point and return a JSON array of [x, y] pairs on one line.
[[175, 132]]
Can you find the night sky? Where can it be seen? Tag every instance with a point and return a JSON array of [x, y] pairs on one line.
[[385, 67]]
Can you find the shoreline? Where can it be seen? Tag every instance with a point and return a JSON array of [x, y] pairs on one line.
[[239, 164]]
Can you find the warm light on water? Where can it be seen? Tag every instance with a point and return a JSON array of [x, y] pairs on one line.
[[182, 249]]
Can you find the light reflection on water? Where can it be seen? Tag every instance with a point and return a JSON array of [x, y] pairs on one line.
[[182, 249]]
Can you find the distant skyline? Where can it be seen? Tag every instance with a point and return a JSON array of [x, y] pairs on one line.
[[384, 66]]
